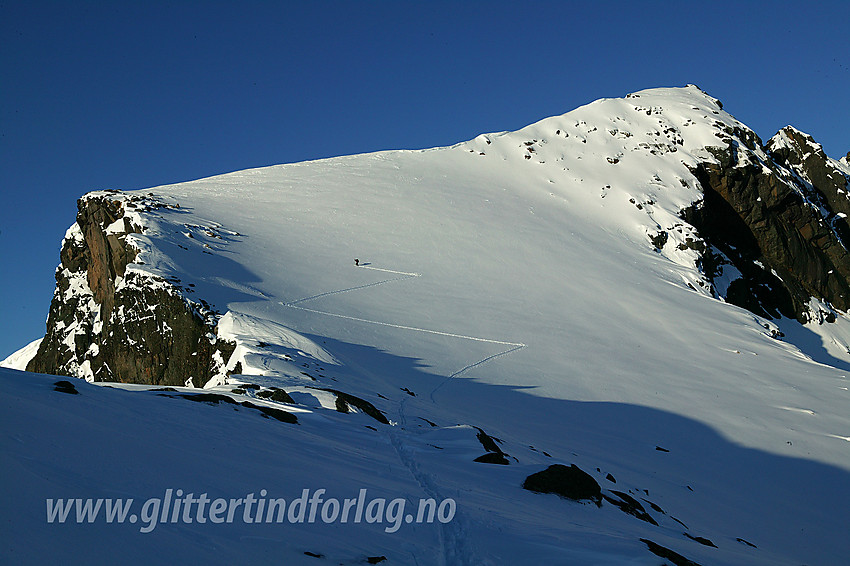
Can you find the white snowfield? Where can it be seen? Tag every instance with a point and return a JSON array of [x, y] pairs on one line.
[[507, 283]]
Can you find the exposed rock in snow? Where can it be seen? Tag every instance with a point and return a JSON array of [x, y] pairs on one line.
[[785, 238], [108, 323]]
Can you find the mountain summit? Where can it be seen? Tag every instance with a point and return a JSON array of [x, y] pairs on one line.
[[641, 291], [146, 277]]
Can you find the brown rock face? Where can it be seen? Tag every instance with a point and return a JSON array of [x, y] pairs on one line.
[[828, 186], [141, 331], [780, 223]]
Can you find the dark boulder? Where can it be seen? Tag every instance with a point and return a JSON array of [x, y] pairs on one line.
[[570, 482], [275, 394], [494, 454], [493, 458], [65, 387], [667, 554]]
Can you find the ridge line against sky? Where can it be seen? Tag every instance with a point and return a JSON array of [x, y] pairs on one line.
[[130, 95]]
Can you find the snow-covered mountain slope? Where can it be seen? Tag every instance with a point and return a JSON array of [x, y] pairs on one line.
[[19, 360], [517, 284]]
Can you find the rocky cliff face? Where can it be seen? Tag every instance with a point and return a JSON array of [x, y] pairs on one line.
[[108, 323], [780, 222], [817, 175]]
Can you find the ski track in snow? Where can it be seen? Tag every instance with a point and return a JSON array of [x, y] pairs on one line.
[[390, 271], [514, 346], [452, 535], [349, 289]]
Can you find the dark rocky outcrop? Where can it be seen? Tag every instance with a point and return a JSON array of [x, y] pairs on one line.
[[211, 398], [492, 458], [702, 540], [494, 454], [176, 344], [343, 400], [570, 482], [217, 398], [820, 177], [779, 221], [271, 412], [629, 505], [109, 324], [65, 387], [275, 394], [667, 554]]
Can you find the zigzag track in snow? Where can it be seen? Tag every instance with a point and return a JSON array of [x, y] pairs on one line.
[[349, 289], [514, 346], [452, 535], [414, 328]]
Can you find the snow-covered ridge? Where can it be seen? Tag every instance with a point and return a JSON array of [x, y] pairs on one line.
[[266, 245], [19, 359], [620, 170]]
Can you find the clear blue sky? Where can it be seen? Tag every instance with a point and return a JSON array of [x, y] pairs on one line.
[[127, 95]]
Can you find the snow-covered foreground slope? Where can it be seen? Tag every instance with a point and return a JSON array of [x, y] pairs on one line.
[[509, 283], [107, 443]]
